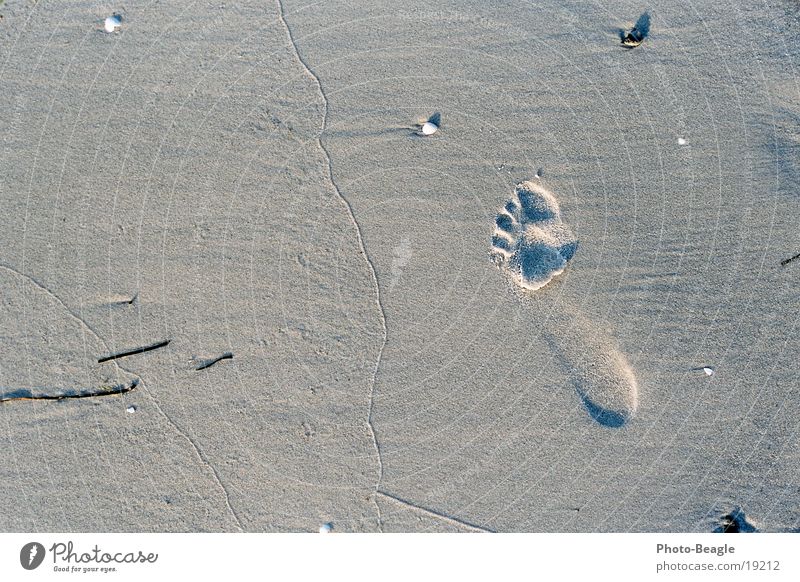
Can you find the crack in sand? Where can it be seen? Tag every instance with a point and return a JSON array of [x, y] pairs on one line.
[[362, 247], [155, 401], [434, 513], [203, 460], [58, 299]]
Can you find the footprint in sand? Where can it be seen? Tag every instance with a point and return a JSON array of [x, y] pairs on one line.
[[531, 242], [532, 245]]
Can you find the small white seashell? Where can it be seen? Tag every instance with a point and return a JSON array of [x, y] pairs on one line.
[[131, 409], [429, 128], [681, 141], [326, 528], [113, 23], [708, 371]]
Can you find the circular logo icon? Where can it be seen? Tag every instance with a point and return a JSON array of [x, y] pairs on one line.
[[31, 555]]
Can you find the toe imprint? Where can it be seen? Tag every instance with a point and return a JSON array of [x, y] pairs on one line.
[[531, 243]]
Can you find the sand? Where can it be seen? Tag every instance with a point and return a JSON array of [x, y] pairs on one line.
[[248, 181]]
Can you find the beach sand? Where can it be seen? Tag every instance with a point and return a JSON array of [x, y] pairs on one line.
[[248, 179]]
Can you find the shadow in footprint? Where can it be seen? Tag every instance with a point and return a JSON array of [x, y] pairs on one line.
[[568, 249], [602, 380], [536, 206], [601, 415]]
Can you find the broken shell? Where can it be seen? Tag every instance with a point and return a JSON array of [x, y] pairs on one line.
[[326, 528], [113, 22]]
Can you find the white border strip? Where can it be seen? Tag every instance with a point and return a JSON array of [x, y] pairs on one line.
[[380, 557]]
